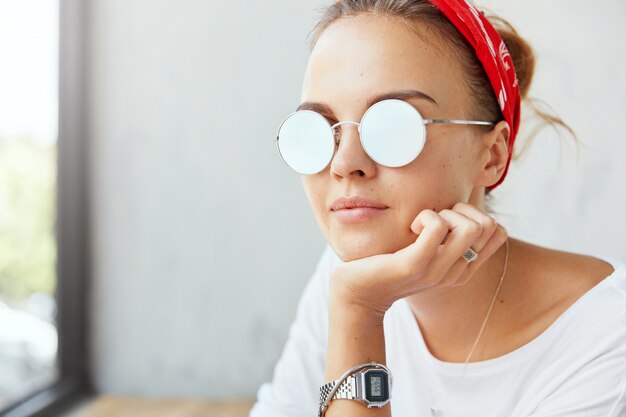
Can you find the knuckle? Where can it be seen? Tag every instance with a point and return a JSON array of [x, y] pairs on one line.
[[490, 223], [440, 227], [438, 223], [474, 228], [427, 213], [459, 204]]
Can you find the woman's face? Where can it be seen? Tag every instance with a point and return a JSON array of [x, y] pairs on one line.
[[363, 56]]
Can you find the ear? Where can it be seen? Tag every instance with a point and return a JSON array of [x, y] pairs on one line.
[[493, 154]]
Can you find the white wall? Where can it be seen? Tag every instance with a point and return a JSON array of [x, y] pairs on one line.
[[204, 240]]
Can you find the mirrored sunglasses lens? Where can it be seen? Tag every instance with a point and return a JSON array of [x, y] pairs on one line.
[[305, 142], [392, 132]]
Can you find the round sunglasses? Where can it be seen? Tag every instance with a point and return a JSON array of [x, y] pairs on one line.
[[392, 133]]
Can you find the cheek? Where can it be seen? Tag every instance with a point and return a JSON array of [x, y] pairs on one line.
[[435, 183], [311, 187], [315, 188]]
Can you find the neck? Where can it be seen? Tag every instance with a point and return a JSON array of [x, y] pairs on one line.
[[451, 317]]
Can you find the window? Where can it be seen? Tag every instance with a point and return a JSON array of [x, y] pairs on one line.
[[42, 258]]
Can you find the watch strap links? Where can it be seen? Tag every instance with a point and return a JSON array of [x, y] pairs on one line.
[[347, 389], [348, 386]]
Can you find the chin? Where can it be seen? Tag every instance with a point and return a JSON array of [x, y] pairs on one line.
[[352, 247]]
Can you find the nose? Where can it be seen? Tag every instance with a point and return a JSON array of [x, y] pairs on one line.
[[350, 158]]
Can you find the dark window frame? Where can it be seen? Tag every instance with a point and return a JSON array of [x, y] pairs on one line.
[[71, 228]]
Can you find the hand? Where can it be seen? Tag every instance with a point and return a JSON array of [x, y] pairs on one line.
[[374, 283]]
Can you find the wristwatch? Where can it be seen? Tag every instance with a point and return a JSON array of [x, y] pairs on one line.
[[371, 387]]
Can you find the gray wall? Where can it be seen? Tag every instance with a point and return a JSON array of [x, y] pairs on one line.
[[203, 240]]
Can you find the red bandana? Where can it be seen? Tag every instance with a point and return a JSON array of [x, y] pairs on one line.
[[495, 59]]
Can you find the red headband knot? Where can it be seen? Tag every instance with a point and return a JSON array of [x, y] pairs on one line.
[[495, 59]]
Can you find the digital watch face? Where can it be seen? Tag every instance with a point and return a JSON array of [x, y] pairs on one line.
[[376, 384]]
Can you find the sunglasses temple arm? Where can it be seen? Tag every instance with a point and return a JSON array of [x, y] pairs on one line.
[[458, 122]]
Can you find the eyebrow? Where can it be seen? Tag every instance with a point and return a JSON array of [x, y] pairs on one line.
[[400, 95]]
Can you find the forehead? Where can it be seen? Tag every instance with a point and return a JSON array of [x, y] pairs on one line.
[[359, 56]]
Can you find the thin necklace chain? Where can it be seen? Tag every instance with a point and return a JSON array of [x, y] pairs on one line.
[[434, 410]]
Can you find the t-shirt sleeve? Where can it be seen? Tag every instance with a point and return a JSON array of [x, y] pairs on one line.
[[596, 389], [299, 371]]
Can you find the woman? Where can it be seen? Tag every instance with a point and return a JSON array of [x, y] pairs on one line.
[[400, 301]]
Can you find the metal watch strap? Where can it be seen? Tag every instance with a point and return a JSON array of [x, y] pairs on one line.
[[350, 386], [347, 389]]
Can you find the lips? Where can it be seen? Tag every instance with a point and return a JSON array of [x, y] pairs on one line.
[[347, 203]]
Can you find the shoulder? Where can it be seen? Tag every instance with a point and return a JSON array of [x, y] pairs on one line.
[[557, 282], [584, 354], [568, 276], [574, 294], [565, 276]]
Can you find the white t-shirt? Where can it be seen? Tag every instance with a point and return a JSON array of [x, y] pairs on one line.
[[575, 368]]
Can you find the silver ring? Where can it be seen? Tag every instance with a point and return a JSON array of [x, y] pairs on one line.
[[470, 255]]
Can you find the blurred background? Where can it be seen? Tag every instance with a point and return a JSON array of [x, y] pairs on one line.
[[195, 239]]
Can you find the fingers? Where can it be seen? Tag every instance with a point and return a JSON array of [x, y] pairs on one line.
[[462, 272], [492, 236], [464, 231], [497, 239], [444, 237], [431, 229], [488, 223], [434, 259]]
